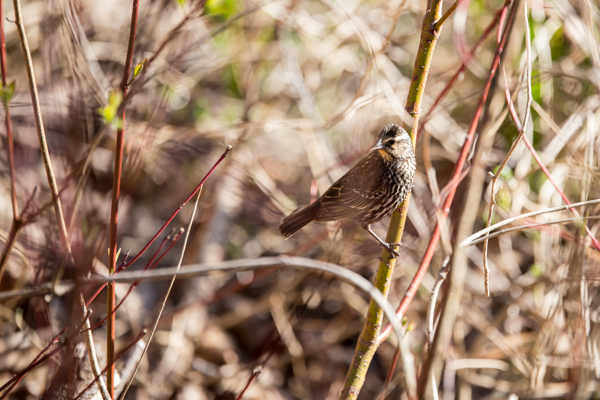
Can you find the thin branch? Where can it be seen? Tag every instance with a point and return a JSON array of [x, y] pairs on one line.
[[458, 167], [117, 356], [36, 361], [390, 374], [263, 263], [539, 161], [564, 197], [162, 307], [7, 119], [45, 354], [89, 341], [227, 150], [62, 230], [254, 375], [471, 239], [530, 226], [16, 222], [433, 299], [114, 209], [448, 13], [127, 264], [461, 69], [486, 267], [367, 343]]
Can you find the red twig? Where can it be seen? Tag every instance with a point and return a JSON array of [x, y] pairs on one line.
[[114, 210], [176, 212], [93, 297], [458, 167], [125, 265], [388, 378], [564, 197], [40, 358], [150, 266], [539, 161], [254, 375]]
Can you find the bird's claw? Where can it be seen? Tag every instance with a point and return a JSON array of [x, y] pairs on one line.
[[390, 248]]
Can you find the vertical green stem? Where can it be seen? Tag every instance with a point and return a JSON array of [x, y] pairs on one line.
[[367, 341]]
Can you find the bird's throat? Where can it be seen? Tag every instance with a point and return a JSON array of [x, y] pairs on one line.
[[385, 155]]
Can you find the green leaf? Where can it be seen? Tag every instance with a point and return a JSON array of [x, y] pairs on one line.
[[536, 180], [221, 10], [7, 92], [109, 112], [181, 3], [141, 65], [504, 198], [536, 270], [506, 174]]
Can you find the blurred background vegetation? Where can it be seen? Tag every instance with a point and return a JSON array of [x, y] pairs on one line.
[[300, 89]]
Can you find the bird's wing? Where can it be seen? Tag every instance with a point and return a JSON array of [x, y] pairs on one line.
[[355, 192]]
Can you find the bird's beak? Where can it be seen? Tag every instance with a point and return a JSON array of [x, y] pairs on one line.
[[378, 146]]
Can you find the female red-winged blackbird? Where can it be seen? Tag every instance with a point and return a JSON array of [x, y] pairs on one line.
[[367, 193]]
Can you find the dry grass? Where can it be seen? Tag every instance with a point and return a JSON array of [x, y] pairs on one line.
[[285, 85]]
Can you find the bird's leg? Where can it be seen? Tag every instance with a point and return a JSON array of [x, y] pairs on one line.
[[388, 246]]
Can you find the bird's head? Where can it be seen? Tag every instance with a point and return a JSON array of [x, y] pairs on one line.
[[393, 142]]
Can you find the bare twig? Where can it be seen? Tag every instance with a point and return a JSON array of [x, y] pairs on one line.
[[471, 239], [433, 299], [564, 197], [461, 69], [16, 223], [126, 264], [253, 377], [114, 209], [89, 340], [45, 354], [448, 13], [60, 220], [117, 356], [529, 226], [368, 341], [458, 167], [7, 120], [263, 263], [486, 268], [162, 307]]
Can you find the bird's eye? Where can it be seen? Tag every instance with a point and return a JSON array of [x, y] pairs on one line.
[[391, 142]]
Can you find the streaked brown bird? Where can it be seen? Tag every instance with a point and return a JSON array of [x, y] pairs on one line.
[[367, 193]]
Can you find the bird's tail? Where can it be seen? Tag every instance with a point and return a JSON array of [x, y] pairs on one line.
[[299, 218]]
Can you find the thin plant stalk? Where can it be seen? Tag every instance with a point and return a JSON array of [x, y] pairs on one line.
[[494, 177], [171, 218], [162, 307], [7, 119], [367, 342], [41, 134], [451, 303], [37, 113], [456, 173], [114, 210], [539, 161]]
